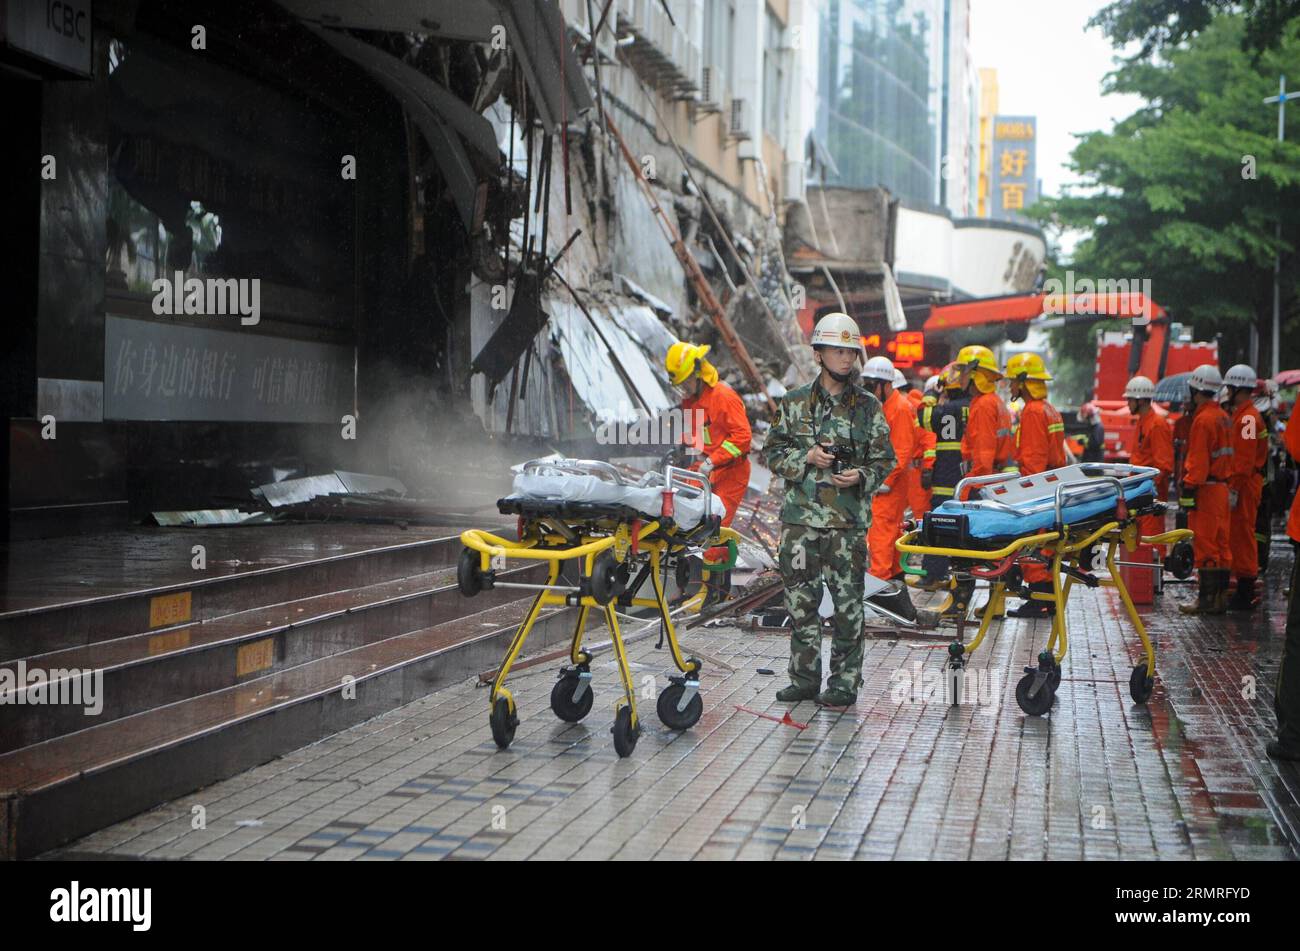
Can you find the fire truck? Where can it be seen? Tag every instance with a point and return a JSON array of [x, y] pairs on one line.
[[1149, 349]]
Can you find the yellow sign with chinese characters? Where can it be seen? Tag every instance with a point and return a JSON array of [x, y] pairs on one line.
[[1014, 182]]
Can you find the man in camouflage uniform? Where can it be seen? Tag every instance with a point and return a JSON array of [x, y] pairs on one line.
[[825, 514]]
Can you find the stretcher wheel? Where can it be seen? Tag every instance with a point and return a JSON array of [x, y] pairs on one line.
[[625, 735], [1140, 685], [503, 722], [608, 578], [676, 719], [562, 703], [469, 577], [1180, 562], [1038, 704]]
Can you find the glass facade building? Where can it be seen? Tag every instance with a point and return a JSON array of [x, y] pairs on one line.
[[880, 94]]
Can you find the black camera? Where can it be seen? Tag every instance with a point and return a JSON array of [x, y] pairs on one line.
[[839, 462], [842, 455]]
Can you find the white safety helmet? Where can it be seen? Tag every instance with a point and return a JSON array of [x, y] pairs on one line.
[[1240, 376], [1140, 388], [1266, 396], [879, 368], [838, 330], [900, 381], [1205, 378], [934, 384]]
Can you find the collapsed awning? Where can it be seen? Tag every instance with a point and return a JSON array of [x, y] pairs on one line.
[[538, 35], [535, 30], [441, 117]]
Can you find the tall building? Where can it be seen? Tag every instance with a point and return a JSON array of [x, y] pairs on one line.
[[896, 98]]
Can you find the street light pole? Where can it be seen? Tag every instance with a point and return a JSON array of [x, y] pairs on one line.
[[1281, 100]]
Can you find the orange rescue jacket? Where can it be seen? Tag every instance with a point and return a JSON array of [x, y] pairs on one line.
[[1040, 439], [726, 434], [1209, 447]]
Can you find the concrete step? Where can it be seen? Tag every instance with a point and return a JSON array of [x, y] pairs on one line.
[[58, 790], [142, 600], [152, 669]]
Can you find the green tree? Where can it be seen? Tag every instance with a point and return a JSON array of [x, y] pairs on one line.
[[1159, 25], [1188, 190]]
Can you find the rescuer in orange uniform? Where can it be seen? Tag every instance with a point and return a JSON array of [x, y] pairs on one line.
[[723, 436], [890, 500], [1204, 493], [919, 499], [1040, 445], [1286, 695], [1246, 483], [1154, 446], [986, 443]]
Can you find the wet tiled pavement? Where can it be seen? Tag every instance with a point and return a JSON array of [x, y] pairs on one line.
[[897, 776]]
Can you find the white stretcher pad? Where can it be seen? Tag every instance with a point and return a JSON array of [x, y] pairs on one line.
[[572, 480]]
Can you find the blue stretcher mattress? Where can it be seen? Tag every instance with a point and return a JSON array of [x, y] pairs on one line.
[[993, 522]]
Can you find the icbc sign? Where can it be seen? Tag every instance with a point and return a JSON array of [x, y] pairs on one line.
[[66, 20], [905, 349], [60, 32]]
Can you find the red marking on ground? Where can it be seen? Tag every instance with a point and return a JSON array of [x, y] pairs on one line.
[[767, 716]]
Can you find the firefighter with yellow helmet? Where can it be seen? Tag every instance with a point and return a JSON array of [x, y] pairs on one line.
[[1039, 446], [986, 444], [719, 428]]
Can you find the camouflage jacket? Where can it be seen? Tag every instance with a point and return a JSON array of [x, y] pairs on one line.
[[810, 415]]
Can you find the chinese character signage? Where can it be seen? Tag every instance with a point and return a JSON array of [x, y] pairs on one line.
[[154, 370], [1013, 175]]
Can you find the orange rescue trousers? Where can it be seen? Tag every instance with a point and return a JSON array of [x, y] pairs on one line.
[[729, 484], [1242, 546], [1209, 520], [886, 526]]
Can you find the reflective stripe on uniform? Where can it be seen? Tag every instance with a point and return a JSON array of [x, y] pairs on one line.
[[731, 447], [929, 454], [948, 446], [1056, 428], [942, 490], [1225, 451], [1003, 432]]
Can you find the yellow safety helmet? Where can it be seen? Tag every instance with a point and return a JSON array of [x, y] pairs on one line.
[[984, 368], [1027, 366], [976, 357], [681, 360]]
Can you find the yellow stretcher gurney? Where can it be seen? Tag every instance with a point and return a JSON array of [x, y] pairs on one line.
[[586, 512], [1066, 512]]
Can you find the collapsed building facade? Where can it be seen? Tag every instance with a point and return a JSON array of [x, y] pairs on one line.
[[435, 204], [469, 233]]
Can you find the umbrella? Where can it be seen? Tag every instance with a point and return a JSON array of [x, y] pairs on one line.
[[1287, 378], [1174, 389]]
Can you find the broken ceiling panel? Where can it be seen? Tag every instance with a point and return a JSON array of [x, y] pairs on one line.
[[447, 19], [639, 341]]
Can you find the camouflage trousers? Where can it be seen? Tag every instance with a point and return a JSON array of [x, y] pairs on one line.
[[839, 557]]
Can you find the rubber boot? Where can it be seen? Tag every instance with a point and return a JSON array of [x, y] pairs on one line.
[[1218, 604], [717, 588], [962, 594], [1243, 599], [1034, 608], [1204, 593], [899, 602]]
